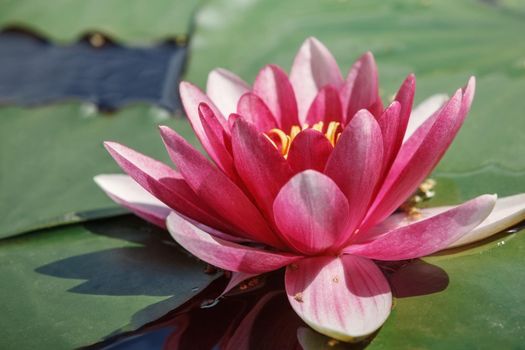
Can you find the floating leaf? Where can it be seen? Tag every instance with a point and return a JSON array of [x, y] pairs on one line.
[[75, 285], [49, 156], [126, 20]]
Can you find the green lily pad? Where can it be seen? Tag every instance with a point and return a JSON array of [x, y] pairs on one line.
[[75, 285], [123, 20], [481, 307], [49, 156], [443, 42]]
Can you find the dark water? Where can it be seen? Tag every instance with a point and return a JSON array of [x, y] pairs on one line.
[[258, 315], [34, 71], [256, 318]]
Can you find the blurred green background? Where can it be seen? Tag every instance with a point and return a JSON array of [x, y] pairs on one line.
[[49, 154]]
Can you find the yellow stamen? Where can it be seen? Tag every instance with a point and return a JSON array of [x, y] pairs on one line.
[[331, 132], [294, 131], [281, 141], [318, 126]]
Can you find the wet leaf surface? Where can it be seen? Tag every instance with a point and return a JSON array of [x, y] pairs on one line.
[[75, 285], [124, 20], [49, 156]]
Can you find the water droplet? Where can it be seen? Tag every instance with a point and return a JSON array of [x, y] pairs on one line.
[[206, 304], [88, 110], [159, 114]]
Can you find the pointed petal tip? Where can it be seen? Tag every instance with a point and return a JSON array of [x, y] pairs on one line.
[[368, 55], [184, 85], [112, 146], [411, 79], [470, 87]]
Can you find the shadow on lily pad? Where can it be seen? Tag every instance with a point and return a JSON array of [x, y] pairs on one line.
[[146, 262]]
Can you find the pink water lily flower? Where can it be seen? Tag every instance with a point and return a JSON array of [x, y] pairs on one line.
[[307, 172]]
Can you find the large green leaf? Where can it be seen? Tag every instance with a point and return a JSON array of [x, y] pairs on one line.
[[49, 156], [482, 306], [75, 285], [443, 42], [124, 20]]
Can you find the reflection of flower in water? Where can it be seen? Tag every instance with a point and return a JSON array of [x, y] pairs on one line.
[[309, 172]]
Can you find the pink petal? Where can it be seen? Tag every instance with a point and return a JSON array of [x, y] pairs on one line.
[[216, 190], [389, 123], [313, 67], [254, 110], [126, 192], [261, 167], [310, 149], [192, 97], [361, 88], [346, 297], [423, 111], [274, 88], [355, 164], [218, 139], [224, 254], [427, 236], [164, 183], [237, 238], [405, 97], [311, 212], [507, 212], [326, 107], [225, 88], [419, 155]]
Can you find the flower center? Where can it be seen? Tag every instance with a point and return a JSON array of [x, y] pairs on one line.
[[282, 141]]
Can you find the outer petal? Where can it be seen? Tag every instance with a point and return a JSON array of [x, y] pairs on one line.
[[216, 189], [261, 167], [361, 88], [419, 155], [126, 192], [356, 163], [164, 183], [389, 123], [326, 107], [218, 139], [427, 236], [507, 212], [405, 97], [423, 111], [311, 212], [192, 97], [254, 110], [274, 88], [310, 149], [345, 297], [225, 88], [224, 254], [313, 67]]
